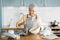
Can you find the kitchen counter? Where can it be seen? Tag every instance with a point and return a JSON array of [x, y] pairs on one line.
[[33, 37]]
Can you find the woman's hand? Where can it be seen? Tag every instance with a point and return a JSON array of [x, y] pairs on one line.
[[19, 24]]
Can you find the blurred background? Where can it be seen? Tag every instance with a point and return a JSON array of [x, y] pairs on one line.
[[11, 11]]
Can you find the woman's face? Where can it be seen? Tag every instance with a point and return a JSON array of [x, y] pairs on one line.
[[32, 11]]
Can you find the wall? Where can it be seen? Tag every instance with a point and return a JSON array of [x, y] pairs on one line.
[[52, 3], [0, 16], [40, 3]]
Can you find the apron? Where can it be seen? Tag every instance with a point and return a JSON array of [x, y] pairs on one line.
[[30, 23]]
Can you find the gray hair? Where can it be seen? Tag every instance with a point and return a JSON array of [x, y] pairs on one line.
[[31, 6]]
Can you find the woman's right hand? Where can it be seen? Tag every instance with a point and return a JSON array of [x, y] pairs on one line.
[[19, 24]]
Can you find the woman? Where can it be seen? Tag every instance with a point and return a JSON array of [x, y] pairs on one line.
[[30, 21]]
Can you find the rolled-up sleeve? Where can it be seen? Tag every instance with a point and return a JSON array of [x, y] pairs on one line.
[[22, 20]]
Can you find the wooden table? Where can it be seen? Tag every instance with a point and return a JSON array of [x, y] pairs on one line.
[[28, 37], [34, 37]]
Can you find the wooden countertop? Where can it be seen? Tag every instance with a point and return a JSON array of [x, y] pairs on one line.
[[32, 37], [35, 37]]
